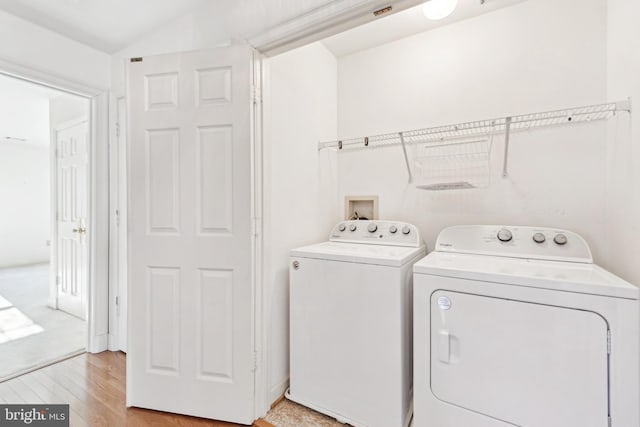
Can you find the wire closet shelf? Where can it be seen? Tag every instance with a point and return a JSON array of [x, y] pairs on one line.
[[484, 127], [464, 137]]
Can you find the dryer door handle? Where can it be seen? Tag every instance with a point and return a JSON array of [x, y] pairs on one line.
[[444, 351]]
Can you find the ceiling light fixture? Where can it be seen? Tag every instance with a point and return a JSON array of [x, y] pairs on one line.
[[439, 9]]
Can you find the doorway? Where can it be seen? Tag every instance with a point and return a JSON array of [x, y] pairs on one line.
[[44, 251]]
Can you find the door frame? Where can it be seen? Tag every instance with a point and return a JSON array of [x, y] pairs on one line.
[[118, 240], [260, 321], [98, 215]]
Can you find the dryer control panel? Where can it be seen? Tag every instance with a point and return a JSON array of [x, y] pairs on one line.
[[389, 233], [516, 242]]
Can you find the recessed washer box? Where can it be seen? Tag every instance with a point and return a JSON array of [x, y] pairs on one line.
[[361, 207]]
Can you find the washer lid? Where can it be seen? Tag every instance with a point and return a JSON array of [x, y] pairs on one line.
[[394, 256], [554, 275]]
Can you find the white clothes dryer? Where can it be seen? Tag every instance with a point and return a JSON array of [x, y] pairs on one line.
[[518, 327], [350, 315]]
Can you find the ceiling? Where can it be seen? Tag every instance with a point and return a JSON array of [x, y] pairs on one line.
[[404, 24], [111, 25], [107, 25]]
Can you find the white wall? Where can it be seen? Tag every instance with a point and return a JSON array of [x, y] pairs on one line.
[[534, 56], [29, 45], [65, 108], [24, 187], [300, 108], [24, 177], [623, 178]]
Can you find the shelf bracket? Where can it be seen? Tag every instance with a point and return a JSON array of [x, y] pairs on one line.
[[507, 135], [406, 157], [624, 105]]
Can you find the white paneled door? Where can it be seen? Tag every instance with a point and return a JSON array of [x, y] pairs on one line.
[[72, 160], [190, 339]]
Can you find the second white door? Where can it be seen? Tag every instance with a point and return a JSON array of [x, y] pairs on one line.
[[72, 141]]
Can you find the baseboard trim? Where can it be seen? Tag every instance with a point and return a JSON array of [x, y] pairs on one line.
[[277, 401], [98, 343], [277, 391]]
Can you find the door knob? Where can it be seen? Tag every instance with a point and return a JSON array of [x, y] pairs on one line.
[[80, 230]]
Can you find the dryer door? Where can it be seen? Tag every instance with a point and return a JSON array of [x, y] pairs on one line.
[[528, 364]]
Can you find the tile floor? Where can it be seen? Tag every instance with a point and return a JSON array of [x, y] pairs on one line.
[[31, 333]]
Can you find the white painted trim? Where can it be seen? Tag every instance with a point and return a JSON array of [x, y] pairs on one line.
[[127, 166], [114, 244], [99, 225], [261, 374], [53, 215], [278, 390], [118, 223], [332, 18], [98, 303], [123, 190], [42, 78], [71, 123]]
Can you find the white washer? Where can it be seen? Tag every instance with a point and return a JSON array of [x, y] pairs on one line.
[[350, 314], [517, 327]]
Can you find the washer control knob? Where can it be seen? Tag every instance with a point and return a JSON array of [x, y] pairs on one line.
[[353, 227], [342, 227], [372, 228], [539, 238], [406, 229], [560, 239], [393, 229], [505, 235]]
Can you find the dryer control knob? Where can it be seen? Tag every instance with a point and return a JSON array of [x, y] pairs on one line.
[[342, 227], [372, 228], [393, 229], [505, 235], [353, 227], [406, 229], [560, 239], [539, 238]]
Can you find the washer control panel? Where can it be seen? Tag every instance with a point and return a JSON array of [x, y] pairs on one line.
[[392, 233], [515, 241]]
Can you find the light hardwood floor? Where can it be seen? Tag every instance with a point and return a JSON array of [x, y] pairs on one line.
[[94, 386]]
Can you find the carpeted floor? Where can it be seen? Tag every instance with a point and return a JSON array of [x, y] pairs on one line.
[[290, 414], [31, 333]]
